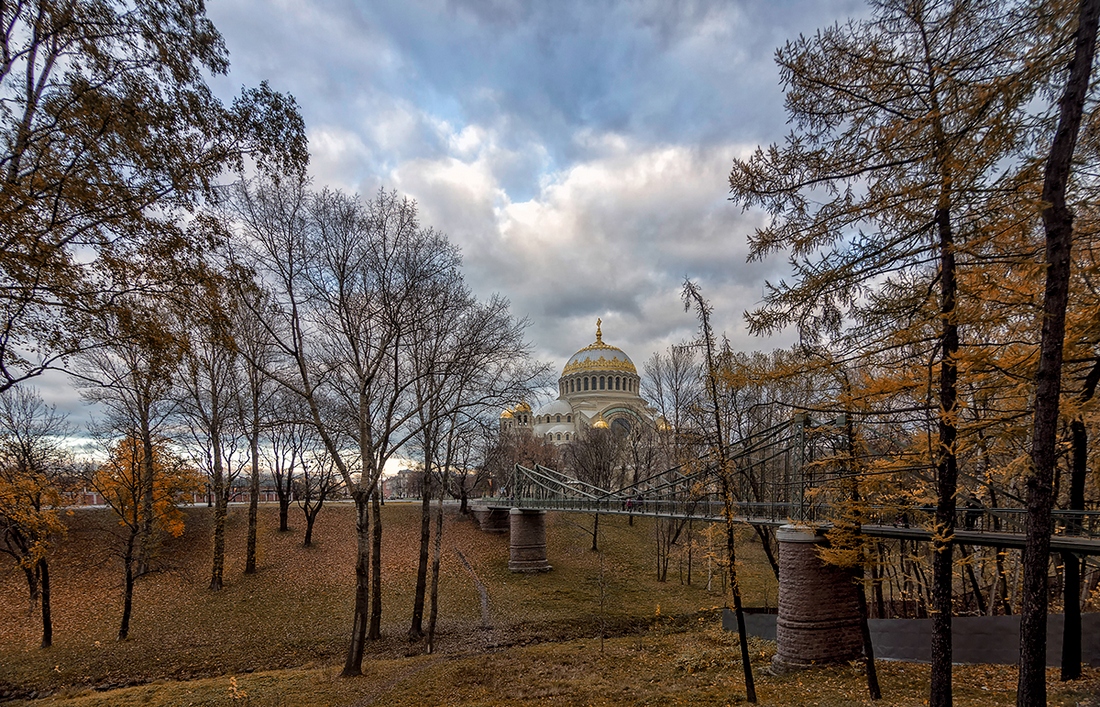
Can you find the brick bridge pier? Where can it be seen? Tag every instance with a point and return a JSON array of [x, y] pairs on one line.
[[818, 619]]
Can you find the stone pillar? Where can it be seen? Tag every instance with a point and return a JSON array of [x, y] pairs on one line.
[[492, 520], [527, 542], [818, 620]]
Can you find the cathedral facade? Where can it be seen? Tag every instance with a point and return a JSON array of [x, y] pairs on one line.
[[598, 388]]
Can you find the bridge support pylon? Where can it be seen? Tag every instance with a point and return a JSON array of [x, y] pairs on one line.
[[527, 541], [492, 520], [818, 621]]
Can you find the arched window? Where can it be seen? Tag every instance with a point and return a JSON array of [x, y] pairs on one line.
[[586, 383], [557, 418], [566, 436], [601, 382], [559, 436], [618, 383], [568, 418]]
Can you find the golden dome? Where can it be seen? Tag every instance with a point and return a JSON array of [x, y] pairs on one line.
[[507, 414], [523, 407], [599, 356], [601, 424]]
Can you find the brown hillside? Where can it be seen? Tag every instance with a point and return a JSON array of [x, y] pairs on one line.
[[296, 610]]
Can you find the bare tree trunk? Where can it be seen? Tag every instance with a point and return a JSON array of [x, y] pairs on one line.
[[310, 518], [128, 587], [284, 512], [595, 533], [375, 632], [353, 665], [873, 688], [767, 543], [148, 472], [221, 500], [975, 585], [254, 500], [416, 629], [437, 553], [1058, 223], [47, 617], [32, 589], [1071, 632], [947, 472], [738, 609]]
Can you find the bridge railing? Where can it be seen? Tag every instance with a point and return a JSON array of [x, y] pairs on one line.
[[1011, 521], [673, 493]]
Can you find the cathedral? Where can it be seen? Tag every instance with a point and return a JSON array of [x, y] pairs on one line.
[[598, 388]]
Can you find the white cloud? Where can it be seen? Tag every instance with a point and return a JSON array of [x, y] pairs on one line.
[[613, 236]]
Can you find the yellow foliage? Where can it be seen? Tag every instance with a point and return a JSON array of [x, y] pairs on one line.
[[123, 481]]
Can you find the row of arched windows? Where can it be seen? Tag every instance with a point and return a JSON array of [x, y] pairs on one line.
[[542, 419], [557, 437], [578, 385]]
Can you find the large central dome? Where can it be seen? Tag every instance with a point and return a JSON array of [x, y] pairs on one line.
[[599, 356], [598, 389]]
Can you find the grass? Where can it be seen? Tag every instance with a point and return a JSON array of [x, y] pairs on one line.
[[278, 637]]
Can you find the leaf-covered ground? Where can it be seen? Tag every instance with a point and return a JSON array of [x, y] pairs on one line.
[[278, 637]]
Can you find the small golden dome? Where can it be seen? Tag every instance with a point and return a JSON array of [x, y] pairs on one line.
[[523, 407], [601, 424], [506, 415]]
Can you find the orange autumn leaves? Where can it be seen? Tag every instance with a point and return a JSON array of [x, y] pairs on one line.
[[122, 482]]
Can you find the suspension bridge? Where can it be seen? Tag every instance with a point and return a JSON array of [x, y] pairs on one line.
[[790, 474], [796, 477]]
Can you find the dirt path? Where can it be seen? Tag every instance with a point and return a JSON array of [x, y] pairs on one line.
[[486, 623], [385, 688]]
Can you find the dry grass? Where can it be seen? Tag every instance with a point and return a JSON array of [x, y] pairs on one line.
[[277, 638], [296, 610]]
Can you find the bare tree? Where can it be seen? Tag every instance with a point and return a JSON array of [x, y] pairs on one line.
[[1058, 227], [252, 340], [316, 484], [130, 376], [469, 359], [211, 394], [596, 457], [350, 282]]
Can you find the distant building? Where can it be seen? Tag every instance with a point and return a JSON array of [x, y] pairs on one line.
[[406, 483], [598, 388]]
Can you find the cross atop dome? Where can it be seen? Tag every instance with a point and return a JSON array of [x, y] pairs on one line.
[[599, 334]]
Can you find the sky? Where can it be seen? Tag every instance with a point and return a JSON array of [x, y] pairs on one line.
[[577, 151]]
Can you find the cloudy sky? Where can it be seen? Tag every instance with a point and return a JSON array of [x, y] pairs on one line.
[[576, 150]]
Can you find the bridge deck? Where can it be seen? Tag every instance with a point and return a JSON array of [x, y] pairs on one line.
[[1081, 544]]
